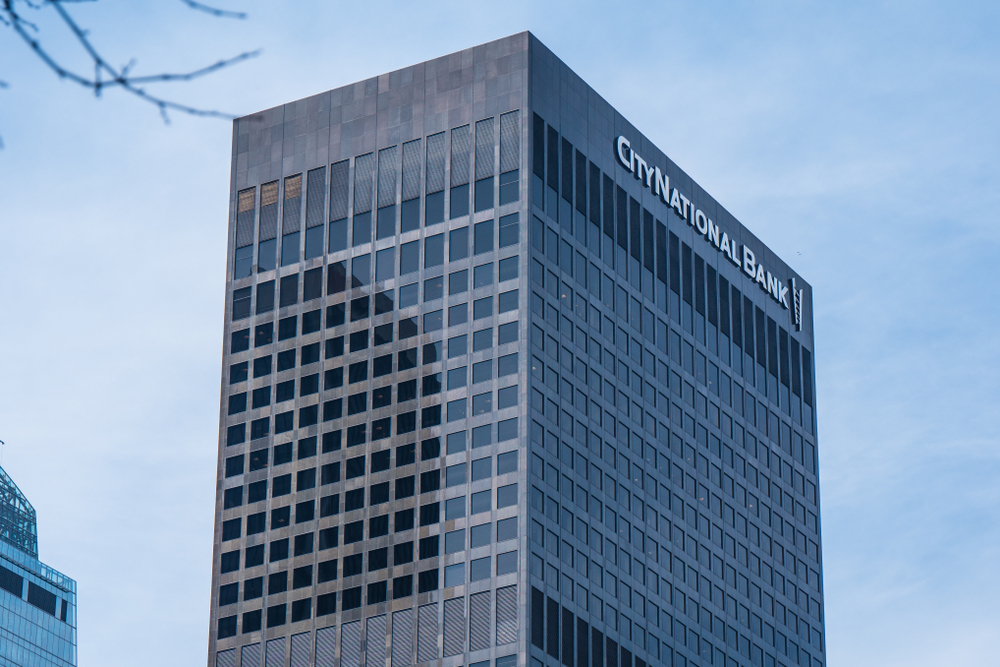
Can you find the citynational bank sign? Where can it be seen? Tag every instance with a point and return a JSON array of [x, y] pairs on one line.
[[658, 182]]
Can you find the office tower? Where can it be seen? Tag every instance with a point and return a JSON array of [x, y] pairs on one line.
[[37, 603], [502, 385]]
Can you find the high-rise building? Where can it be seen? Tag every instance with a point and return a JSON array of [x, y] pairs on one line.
[[502, 384], [37, 603]]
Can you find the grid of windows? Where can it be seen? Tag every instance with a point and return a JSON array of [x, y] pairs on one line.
[[673, 493], [372, 395], [555, 407]]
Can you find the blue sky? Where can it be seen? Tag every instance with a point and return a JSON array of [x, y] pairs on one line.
[[859, 140]]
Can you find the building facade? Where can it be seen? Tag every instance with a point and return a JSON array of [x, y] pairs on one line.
[[502, 384], [37, 603]]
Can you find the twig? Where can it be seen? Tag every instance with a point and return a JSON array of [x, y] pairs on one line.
[[106, 76]]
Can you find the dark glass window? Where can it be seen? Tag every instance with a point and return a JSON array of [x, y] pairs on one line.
[[239, 341], [353, 565], [288, 327], [239, 372], [403, 520]]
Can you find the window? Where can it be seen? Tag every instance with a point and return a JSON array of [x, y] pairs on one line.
[[255, 523], [232, 529], [482, 308], [432, 352], [483, 241], [378, 559], [507, 430], [326, 571], [455, 475], [406, 391], [329, 506], [433, 251], [482, 340], [286, 360], [458, 346], [253, 588], [354, 532], [336, 315], [406, 454], [430, 481], [402, 587], [506, 463], [383, 334], [239, 341], [408, 295], [263, 334], [237, 403], [507, 365], [482, 275], [433, 321], [238, 372], [384, 302], [509, 227], [507, 529], [301, 610], [376, 592], [457, 409], [484, 194], [288, 327], [482, 403], [507, 496], [481, 469], [351, 599], [458, 314], [507, 397], [481, 502], [479, 569], [482, 371], [506, 564], [231, 561], [427, 581], [458, 282], [480, 535], [507, 333], [431, 384], [508, 301], [454, 508], [279, 550], [353, 565], [407, 359], [280, 517], [302, 577], [430, 514], [379, 493], [403, 520], [454, 575], [508, 190]]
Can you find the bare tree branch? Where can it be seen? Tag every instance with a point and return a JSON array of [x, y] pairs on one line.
[[222, 13], [105, 75]]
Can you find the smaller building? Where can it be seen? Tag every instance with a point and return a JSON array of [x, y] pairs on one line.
[[37, 603]]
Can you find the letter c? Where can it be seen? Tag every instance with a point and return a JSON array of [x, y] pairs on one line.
[[622, 144]]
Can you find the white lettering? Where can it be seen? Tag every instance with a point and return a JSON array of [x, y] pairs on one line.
[[640, 166], [622, 145], [749, 262], [687, 209], [772, 285], [658, 182], [701, 222], [726, 250], [675, 202], [713, 233], [661, 185]]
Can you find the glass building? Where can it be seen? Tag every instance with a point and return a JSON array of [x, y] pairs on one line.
[[503, 386], [37, 603]]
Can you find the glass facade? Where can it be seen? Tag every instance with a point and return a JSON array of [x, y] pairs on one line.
[[37, 603], [497, 403]]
